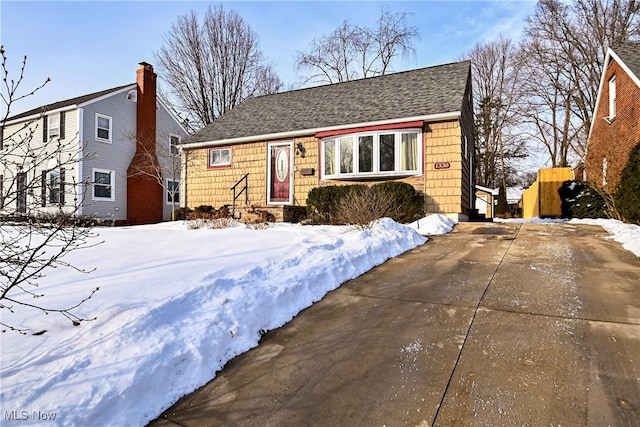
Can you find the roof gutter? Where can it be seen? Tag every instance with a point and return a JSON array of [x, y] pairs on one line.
[[40, 114], [313, 131]]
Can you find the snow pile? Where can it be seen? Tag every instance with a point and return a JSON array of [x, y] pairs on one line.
[[433, 224], [626, 234], [174, 306]]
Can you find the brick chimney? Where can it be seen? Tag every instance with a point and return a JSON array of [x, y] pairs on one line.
[[144, 193]]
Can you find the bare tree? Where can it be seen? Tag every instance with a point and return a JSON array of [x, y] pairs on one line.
[[210, 66], [352, 52], [497, 85], [564, 53], [38, 204]]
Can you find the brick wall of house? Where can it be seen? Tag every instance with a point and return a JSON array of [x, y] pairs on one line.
[[616, 140]]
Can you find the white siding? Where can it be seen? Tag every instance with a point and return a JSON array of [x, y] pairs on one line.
[[24, 136]]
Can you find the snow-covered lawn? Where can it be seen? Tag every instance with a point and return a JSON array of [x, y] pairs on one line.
[[174, 306]]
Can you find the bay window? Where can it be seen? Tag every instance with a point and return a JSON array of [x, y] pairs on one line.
[[383, 153]]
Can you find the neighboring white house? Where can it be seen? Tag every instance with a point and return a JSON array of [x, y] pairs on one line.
[[103, 132]]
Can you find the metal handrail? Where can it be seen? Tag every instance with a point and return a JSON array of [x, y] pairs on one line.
[[244, 190]]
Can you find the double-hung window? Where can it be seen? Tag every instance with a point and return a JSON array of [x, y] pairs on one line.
[[53, 181], [103, 184], [382, 153], [103, 128], [174, 141], [219, 157], [173, 192], [54, 126]]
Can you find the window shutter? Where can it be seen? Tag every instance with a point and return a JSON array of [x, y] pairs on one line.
[[43, 192], [62, 186], [61, 124], [45, 131]]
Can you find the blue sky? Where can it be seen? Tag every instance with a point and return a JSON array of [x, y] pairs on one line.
[[87, 46]]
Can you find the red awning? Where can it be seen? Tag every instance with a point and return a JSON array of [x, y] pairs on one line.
[[392, 126]]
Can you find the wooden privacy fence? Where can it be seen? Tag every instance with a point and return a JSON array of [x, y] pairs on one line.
[[542, 198]]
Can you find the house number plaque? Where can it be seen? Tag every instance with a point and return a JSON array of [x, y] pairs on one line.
[[442, 165]]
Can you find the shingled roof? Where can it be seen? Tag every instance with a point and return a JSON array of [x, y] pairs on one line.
[[629, 53], [67, 102], [426, 91]]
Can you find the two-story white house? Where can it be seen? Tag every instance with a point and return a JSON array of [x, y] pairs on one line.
[[95, 156]]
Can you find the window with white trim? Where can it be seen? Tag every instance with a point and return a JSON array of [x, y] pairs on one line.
[[103, 184], [382, 153], [174, 141], [219, 157], [53, 126], [173, 192], [612, 97], [53, 183], [103, 128]]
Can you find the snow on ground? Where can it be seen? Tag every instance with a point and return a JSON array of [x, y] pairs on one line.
[[433, 224], [626, 234], [174, 306]]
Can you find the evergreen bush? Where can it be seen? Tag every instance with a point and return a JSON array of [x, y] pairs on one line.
[[581, 200], [502, 207], [627, 196]]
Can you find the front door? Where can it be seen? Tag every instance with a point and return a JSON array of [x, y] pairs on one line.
[[280, 173]]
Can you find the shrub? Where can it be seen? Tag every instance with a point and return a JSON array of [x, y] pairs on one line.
[[182, 214], [203, 210], [502, 207], [363, 206], [323, 202], [627, 196], [212, 223], [360, 205], [581, 200], [407, 203]]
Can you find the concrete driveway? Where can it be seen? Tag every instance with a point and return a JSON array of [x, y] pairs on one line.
[[493, 324]]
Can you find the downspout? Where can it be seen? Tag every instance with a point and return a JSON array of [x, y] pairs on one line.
[[80, 187], [184, 179]]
